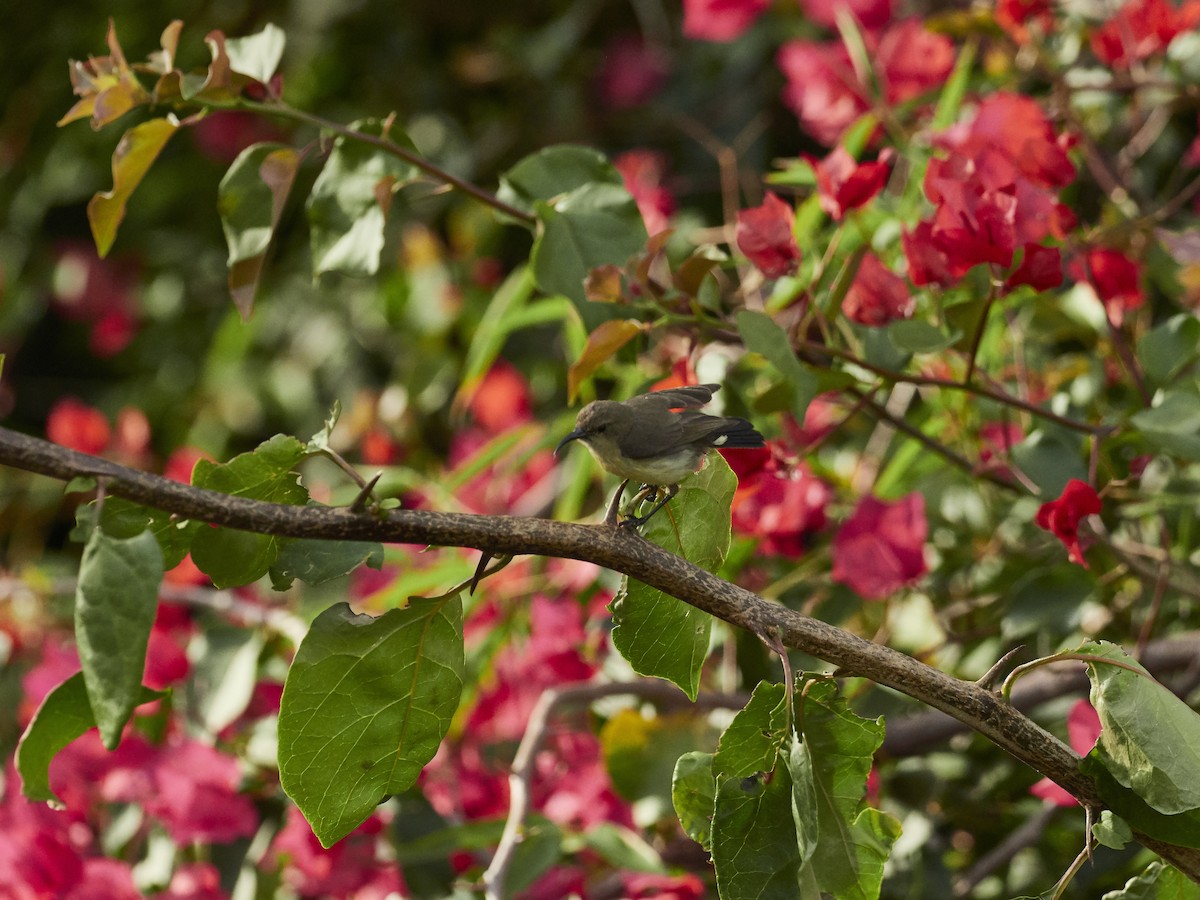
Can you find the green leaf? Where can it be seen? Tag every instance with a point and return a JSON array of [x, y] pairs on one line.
[[1112, 831], [1158, 881], [1050, 459], [1173, 424], [554, 172], [135, 154], [115, 602], [694, 795], [250, 200], [318, 561], [346, 208], [754, 848], [64, 715], [257, 55], [622, 848], [838, 748], [1149, 738], [224, 675], [916, 336], [1170, 346], [657, 634], [763, 336], [365, 706], [121, 518], [593, 225], [753, 739], [231, 557]]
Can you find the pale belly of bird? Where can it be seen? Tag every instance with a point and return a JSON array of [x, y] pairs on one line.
[[658, 470]]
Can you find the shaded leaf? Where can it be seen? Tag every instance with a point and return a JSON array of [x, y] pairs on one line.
[[694, 795], [753, 739], [553, 172], [345, 217], [657, 634], [1172, 424], [132, 159], [762, 335], [1170, 346], [250, 201], [365, 707], [605, 340], [115, 602], [317, 561], [753, 841]]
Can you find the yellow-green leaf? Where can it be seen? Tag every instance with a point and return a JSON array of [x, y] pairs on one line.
[[132, 159]]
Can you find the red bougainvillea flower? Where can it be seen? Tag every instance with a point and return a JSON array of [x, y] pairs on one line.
[[1061, 517], [843, 184], [881, 547], [1015, 17], [995, 191], [78, 426], [344, 870], [878, 295], [644, 885], [1040, 268], [1083, 730], [643, 173], [1116, 279], [98, 292], [825, 93], [784, 509], [720, 20], [764, 235], [1141, 29]]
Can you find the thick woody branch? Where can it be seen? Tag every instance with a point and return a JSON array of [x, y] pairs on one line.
[[618, 549]]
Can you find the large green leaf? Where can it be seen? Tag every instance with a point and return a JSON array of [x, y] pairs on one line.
[[833, 761], [115, 602], [365, 706], [317, 561], [250, 201], [135, 154], [64, 715], [753, 739], [346, 208], [553, 172], [231, 557], [694, 795], [761, 334], [656, 633], [1173, 423], [1149, 738], [1170, 346], [1157, 881]]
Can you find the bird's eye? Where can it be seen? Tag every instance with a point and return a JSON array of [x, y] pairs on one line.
[[599, 429]]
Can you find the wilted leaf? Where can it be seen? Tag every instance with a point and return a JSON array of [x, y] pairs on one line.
[[132, 159], [115, 602], [365, 707], [605, 340]]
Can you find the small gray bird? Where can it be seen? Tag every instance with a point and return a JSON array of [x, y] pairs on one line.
[[656, 439]]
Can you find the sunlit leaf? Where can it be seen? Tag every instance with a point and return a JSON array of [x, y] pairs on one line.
[[115, 602], [365, 707], [250, 201], [605, 340], [345, 217], [694, 795], [135, 154], [106, 85], [257, 55]]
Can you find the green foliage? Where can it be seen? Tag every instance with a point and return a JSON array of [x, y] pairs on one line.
[[656, 633], [115, 603], [366, 703]]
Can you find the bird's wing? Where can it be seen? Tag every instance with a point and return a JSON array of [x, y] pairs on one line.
[[691, 397]]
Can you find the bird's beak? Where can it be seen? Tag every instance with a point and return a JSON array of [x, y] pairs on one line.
[[573, 436]]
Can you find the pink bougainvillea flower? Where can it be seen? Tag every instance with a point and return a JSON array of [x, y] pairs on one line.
[[720, 20], [1116, 279], [313, 871], [764, 235], [643, 174], [1040, 268], [194, 881], [644, 885], [1061, 517], [878, 295], [881, 547], [1141, 29], [76, 425], [1017, 16], [1083, 730], [632, 72], [843, 184]]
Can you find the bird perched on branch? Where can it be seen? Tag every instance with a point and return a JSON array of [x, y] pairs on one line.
[[657, 440]]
